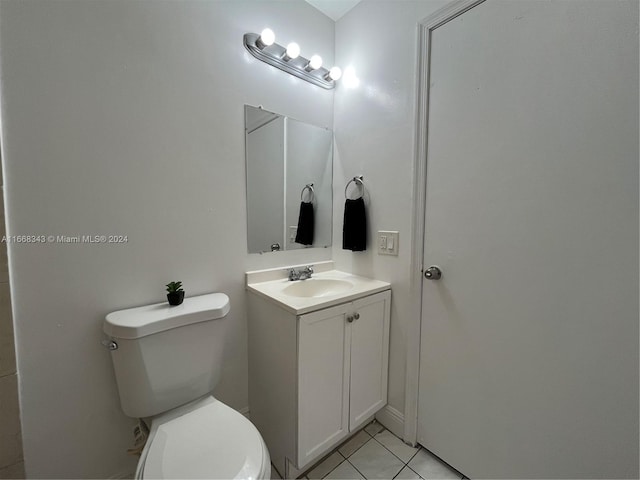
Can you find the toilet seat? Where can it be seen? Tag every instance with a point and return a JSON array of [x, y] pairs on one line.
[[205, 439]]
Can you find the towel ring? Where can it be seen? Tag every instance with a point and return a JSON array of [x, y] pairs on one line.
[[358, 180], [312, 193]]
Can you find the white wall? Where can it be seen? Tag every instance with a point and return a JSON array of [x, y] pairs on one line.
[[124, 117], [374, 125]]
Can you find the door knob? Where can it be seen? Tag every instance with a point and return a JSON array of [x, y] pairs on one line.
[[433, 273], [350, 318]]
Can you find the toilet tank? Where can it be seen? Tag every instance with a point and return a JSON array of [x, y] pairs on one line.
[[167, 356]]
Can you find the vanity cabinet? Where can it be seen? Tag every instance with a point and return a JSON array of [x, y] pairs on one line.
[[316, 377]]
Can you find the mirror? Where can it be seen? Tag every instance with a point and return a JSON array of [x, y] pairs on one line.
[[289, 191]]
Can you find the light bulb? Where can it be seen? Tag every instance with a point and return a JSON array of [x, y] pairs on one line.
[[315, 62], [267, 37], [293, 50], [335, 73]]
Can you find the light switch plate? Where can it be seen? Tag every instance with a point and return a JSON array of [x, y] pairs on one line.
[[387, 242]]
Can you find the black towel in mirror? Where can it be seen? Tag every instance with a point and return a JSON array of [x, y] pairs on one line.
[[354, 231], [304, 234]]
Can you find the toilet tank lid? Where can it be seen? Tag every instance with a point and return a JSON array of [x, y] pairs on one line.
[[142, 321]]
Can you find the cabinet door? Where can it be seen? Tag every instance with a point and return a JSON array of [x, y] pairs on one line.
[[323, 381], [369, 357]]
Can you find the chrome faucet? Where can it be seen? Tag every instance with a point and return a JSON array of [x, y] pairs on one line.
[[300, 273]]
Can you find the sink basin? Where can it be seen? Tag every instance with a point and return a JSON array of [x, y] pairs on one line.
[[327, 287], [317, 287]]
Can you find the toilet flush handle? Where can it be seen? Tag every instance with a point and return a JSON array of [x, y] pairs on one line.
[[109, 344]]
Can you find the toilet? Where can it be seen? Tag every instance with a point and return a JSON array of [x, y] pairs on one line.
[[167, 361]]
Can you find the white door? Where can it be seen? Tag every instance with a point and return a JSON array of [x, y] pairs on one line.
[[323, 381], [529, 341], [369, 357]]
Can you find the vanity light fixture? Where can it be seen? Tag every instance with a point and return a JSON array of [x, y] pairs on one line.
[[289, 60]]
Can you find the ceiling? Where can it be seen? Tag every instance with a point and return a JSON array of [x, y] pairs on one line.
[[334, 9]]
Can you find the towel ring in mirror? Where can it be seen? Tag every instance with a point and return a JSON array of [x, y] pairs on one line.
[[309, 187]]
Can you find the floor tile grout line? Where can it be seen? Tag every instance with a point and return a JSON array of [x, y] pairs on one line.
[[351, 438], [407, 466], [351, 454], [374, 438], [327, 456], [317, 464], [337, 450], [356, 469], [405, 463], [415, 453], [343, 460], [451, 467], [379, 443]]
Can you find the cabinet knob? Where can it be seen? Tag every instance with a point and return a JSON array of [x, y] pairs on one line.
[[350, 318], [356, 316]]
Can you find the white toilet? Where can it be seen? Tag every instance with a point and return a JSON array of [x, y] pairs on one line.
[[167, 360]]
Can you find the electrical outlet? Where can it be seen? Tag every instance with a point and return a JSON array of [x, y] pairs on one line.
[[388, 242]]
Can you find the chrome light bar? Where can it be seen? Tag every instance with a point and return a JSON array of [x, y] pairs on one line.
[[276, 55]]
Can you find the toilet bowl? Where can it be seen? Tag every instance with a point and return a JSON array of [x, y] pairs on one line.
[[205, 439], [167, 361]]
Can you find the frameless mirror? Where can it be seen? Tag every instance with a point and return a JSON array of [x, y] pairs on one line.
[[289, 191]]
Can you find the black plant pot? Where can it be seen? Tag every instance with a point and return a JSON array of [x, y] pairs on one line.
[[175, 298]]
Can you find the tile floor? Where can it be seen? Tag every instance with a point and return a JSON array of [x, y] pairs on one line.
[[376, 453]]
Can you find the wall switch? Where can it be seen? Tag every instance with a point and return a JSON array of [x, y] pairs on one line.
[[388, 242]]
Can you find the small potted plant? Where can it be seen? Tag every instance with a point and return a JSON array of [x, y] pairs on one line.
[[176, 293]]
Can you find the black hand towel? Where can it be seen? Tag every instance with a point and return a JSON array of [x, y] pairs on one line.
[[354, 231], [306, 221]]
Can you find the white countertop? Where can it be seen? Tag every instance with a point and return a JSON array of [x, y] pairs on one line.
[[273, 290]]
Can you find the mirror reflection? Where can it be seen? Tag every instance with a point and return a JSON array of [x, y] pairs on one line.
[[289, 192]]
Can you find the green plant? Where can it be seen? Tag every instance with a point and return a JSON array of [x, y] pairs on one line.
[[174, 287]]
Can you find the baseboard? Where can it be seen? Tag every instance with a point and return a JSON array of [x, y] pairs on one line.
[[392, 419]]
